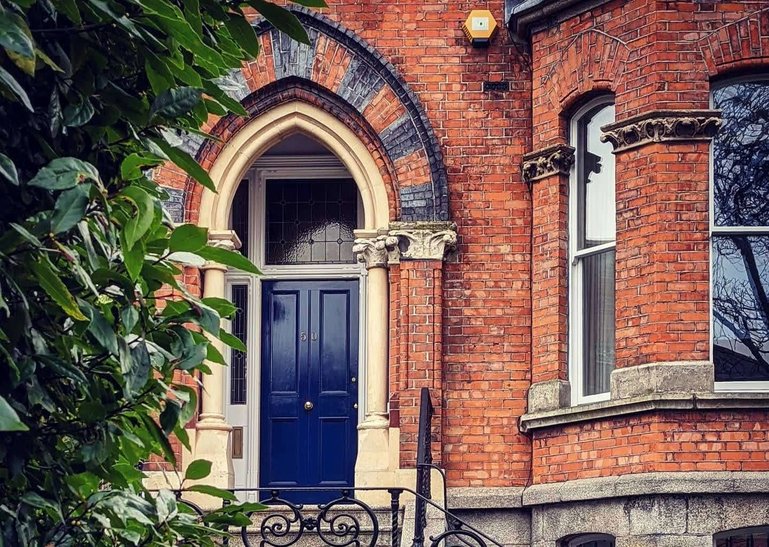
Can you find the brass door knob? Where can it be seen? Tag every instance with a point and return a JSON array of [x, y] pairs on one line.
[[308, 406]]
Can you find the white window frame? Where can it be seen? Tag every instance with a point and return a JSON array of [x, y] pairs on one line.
[[264, 169], [575, 328], [738, 386]]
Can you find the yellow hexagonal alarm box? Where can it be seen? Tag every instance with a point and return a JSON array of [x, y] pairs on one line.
[[480, 27]]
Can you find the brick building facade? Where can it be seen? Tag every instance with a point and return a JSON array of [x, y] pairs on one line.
[[545, 242]]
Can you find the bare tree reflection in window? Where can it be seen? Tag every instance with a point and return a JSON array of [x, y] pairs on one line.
[[741, 233]]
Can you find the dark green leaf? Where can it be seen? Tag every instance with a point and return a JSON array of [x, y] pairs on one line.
[[77, 115], [63, 173], [242, 31], [174, 102], [131, 167], [222, 306], [212, 491], [188, 237], [102, 331], [187, 163], [228, 258], [15, 36], [282, 19], [134, 259], [15, 88], [232, 341], [198, 469], [52, 284], [70, 208], [169, 418], [9, 419], [8, 170], [141, 220]]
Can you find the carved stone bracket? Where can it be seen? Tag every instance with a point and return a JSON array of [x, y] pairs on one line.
[[662, 126], [424, 240], [376, 252], [224, 239], [553, 160]]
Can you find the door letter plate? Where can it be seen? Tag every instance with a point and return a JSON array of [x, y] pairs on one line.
[[237, 443]]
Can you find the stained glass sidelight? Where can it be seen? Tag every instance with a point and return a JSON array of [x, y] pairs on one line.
[[740, 240], [310, 221], [238, 362]]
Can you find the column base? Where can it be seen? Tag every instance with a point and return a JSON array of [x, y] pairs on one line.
[[212, 443], [375, 421]]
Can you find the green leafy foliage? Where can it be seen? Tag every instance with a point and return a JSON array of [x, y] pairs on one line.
[[95, 368]]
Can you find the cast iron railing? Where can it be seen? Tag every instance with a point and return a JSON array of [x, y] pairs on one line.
[[348, 521]]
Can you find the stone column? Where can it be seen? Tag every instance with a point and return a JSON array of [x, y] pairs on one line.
[[373, 466], [374, 253], [212, 437]]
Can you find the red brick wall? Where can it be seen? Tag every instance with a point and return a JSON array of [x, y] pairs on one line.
[[651, 56], [672, 441]]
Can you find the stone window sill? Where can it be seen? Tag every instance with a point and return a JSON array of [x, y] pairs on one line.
[[646, 403]]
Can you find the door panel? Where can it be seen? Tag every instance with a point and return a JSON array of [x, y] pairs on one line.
[[309, 356]]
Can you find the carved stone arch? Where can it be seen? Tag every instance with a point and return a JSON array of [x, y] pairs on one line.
[[348, 77]]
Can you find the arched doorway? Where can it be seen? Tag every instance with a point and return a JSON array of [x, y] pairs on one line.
[[293, 399], [289, 158]]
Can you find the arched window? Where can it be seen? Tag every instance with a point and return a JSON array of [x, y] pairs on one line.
[[745, 537], [590, 540], [592, 234], [740, 235]]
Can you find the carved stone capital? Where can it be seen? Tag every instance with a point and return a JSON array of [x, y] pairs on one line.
[[375, 252], [424, 240], [224, 239], [553, 160], [662, 126]]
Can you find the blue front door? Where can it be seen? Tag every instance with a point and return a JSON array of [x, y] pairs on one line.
[[309, 386]]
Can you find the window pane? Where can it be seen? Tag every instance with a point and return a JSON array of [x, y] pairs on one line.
[[749, 537], [741, 155], [592, 541], [311, 222], [741, 307], [595, 164], [240, 216], [238, 363], [598, 321]]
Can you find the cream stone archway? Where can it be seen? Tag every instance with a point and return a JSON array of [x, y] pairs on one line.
[[376, 453]]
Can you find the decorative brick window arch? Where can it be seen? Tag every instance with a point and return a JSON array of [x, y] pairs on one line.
[[343, 75]]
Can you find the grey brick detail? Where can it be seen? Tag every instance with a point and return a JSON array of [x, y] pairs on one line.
[[191, 143], [400, 138], [234, 84], [174, 204], [292, 58], [360, 84], [417, 201]]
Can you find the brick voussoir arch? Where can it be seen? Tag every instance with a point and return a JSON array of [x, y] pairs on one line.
[[740, 44], [341, 73]]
